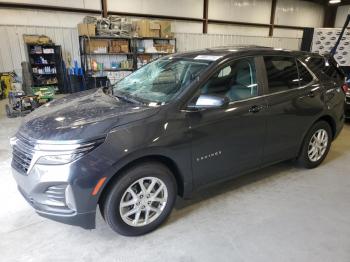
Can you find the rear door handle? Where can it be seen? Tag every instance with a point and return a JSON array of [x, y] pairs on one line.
[[255, 109]]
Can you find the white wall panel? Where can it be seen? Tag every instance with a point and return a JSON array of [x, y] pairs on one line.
[[253, 11], [185, 8], [186, 27], [237, 30], [299, 13], [188, 42], [39, 18], [342, 13], [281, 32], [88, 4], [13, 49]]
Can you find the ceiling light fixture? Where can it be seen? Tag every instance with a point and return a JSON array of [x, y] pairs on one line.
[[334, 1]]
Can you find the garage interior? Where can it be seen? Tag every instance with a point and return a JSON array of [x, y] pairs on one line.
[[280, 213]]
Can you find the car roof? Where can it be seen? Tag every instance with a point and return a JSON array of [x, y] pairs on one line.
[[231, 51]]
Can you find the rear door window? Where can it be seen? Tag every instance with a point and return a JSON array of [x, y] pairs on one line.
[[282, 73]]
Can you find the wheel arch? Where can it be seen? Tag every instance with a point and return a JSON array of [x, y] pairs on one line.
[[328, 119], [168, 162]]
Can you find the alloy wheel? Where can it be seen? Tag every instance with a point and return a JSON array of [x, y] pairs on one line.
[[143, 201], [318, 145]]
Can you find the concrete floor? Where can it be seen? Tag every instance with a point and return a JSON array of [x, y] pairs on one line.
[[281, 213]]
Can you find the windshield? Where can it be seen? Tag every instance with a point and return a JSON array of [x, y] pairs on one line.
[[159, 81]]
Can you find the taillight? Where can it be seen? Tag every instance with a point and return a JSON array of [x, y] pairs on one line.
[[346, 88]]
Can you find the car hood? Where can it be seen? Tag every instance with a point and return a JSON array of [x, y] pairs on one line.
[[81, 116]]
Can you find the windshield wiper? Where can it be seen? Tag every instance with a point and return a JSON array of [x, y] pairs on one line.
[[127, 99]]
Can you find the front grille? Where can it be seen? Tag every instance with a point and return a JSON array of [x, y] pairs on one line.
[[22, 154]]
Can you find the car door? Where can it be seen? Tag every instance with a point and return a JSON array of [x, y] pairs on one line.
[[294, 102], [229, 140]]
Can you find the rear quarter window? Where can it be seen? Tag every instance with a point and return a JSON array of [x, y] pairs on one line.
[[323, 69], [305, 77]]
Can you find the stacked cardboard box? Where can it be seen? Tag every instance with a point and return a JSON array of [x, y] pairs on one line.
[[97, 46], [164, 48], [119, 46], [147, 28], [152, 28], [165, 29], [37, 39], [87, 29]]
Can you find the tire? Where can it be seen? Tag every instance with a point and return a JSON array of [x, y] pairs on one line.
[[310, 158], [142, 201]]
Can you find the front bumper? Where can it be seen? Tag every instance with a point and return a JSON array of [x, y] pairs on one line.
[[49, 191]]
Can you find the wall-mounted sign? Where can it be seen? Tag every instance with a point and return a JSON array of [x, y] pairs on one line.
[[324, 40]]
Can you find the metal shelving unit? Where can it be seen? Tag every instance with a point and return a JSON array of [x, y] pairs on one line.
[[87, 57], [39, 60], [132, 55]]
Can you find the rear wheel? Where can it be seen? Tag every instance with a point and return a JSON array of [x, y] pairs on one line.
[[316, 145], [140, 200]]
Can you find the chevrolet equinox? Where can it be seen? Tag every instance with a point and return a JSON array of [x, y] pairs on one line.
[[173, 127]]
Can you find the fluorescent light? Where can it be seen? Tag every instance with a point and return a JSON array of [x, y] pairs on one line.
[[334, 1]]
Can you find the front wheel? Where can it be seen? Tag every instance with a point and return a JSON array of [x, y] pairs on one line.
[[140, 200], [316, 145]]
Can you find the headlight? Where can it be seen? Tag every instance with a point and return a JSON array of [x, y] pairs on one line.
[[59, 154], [57, 159]]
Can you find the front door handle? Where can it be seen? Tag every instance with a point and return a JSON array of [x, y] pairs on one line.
[[255, 109]]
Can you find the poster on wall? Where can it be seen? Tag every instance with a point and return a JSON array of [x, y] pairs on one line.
[[324, 40]]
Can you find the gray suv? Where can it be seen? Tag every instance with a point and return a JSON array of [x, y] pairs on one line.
[[173, 127]]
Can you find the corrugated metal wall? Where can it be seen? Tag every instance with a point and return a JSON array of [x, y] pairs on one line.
[[186, 42], [12, 48]]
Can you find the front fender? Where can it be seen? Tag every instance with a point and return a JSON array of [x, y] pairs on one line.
[[161, 139]]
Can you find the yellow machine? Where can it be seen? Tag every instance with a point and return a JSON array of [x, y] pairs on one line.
[[6, 80]]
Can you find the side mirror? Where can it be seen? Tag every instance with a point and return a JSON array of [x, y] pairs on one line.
[[209, 102]]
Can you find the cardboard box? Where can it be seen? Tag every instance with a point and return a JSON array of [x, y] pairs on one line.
[[154, 29], [119, 46], [36, 39], [147, 28], [87, 29], [142, 28], [124, 48], [165, 29], [164, 48], [97, 46]]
